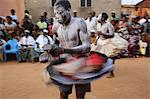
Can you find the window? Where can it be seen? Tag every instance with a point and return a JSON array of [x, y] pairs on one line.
[[88, 3], [85, 3], [53, 2]]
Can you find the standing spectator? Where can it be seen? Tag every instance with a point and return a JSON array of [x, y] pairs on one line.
[[50, 25], [146, 34], [27, 24], [113, 16], [134, 30], [28, 14], [91, 23], [75, 14], [45, 17], [106, 32], [13, 15], [42, 24], [94, 16], [123, 28]]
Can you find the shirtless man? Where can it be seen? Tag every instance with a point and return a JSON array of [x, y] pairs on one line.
[[74, 40]]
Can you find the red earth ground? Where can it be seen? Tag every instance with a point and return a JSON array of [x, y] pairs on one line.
[[23, 81]]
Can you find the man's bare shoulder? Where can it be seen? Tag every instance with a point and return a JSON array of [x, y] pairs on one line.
[[79, 20]]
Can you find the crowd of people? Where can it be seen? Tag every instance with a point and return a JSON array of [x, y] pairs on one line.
[[33, 37]]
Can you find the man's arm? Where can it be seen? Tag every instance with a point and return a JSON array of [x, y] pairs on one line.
[[85, 46]]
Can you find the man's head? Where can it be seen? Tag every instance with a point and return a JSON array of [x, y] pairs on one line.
[[42, 18], [74, 13], [26, 18], [113, 14], [104, 17], [12, 11], [62, 10], [26, 33], [9, 19], [90, 15], [45, 14], [93, 13]]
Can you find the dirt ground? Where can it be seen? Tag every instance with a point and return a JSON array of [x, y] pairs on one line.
[[23, 81]]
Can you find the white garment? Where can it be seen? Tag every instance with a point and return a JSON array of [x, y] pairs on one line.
[[42, 40], [13, 24], [27, 40], [2, 26], [14, 17], [91, 25], [106, 29], [110, 47]]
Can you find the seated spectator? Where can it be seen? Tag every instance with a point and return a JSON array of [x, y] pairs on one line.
[[42, 24], [9, 24], [142, 46], [2, 42], [13, 15], [36, 32], [43, 39], [27, 43], [92, 36], [2, 26]]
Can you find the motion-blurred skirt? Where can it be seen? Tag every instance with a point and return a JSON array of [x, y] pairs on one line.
[[92, 68]]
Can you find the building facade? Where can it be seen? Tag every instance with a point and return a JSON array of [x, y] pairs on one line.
[[83, 7], [139, 9]]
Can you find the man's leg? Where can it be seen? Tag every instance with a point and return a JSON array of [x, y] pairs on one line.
[[63, 95], [65, 90], [81, 90], [80, 95]]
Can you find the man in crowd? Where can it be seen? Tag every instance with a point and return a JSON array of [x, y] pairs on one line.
[[91, 23], [13, 15], [26, 45], [42, 24]]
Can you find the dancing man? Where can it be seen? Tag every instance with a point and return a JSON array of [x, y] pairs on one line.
[[74, 41]]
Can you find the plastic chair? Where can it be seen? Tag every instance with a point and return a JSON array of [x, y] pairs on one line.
[[14, 48]]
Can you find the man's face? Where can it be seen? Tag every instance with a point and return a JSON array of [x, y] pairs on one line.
[[61, 14], [113, 15], [8, 20]]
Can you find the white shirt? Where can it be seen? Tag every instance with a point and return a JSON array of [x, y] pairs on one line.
[[106, 29], [14, 17], [91, 25], [42, 40], [13, 24], [27, 40]]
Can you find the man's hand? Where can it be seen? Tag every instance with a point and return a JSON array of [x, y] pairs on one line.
[[56, 51]]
